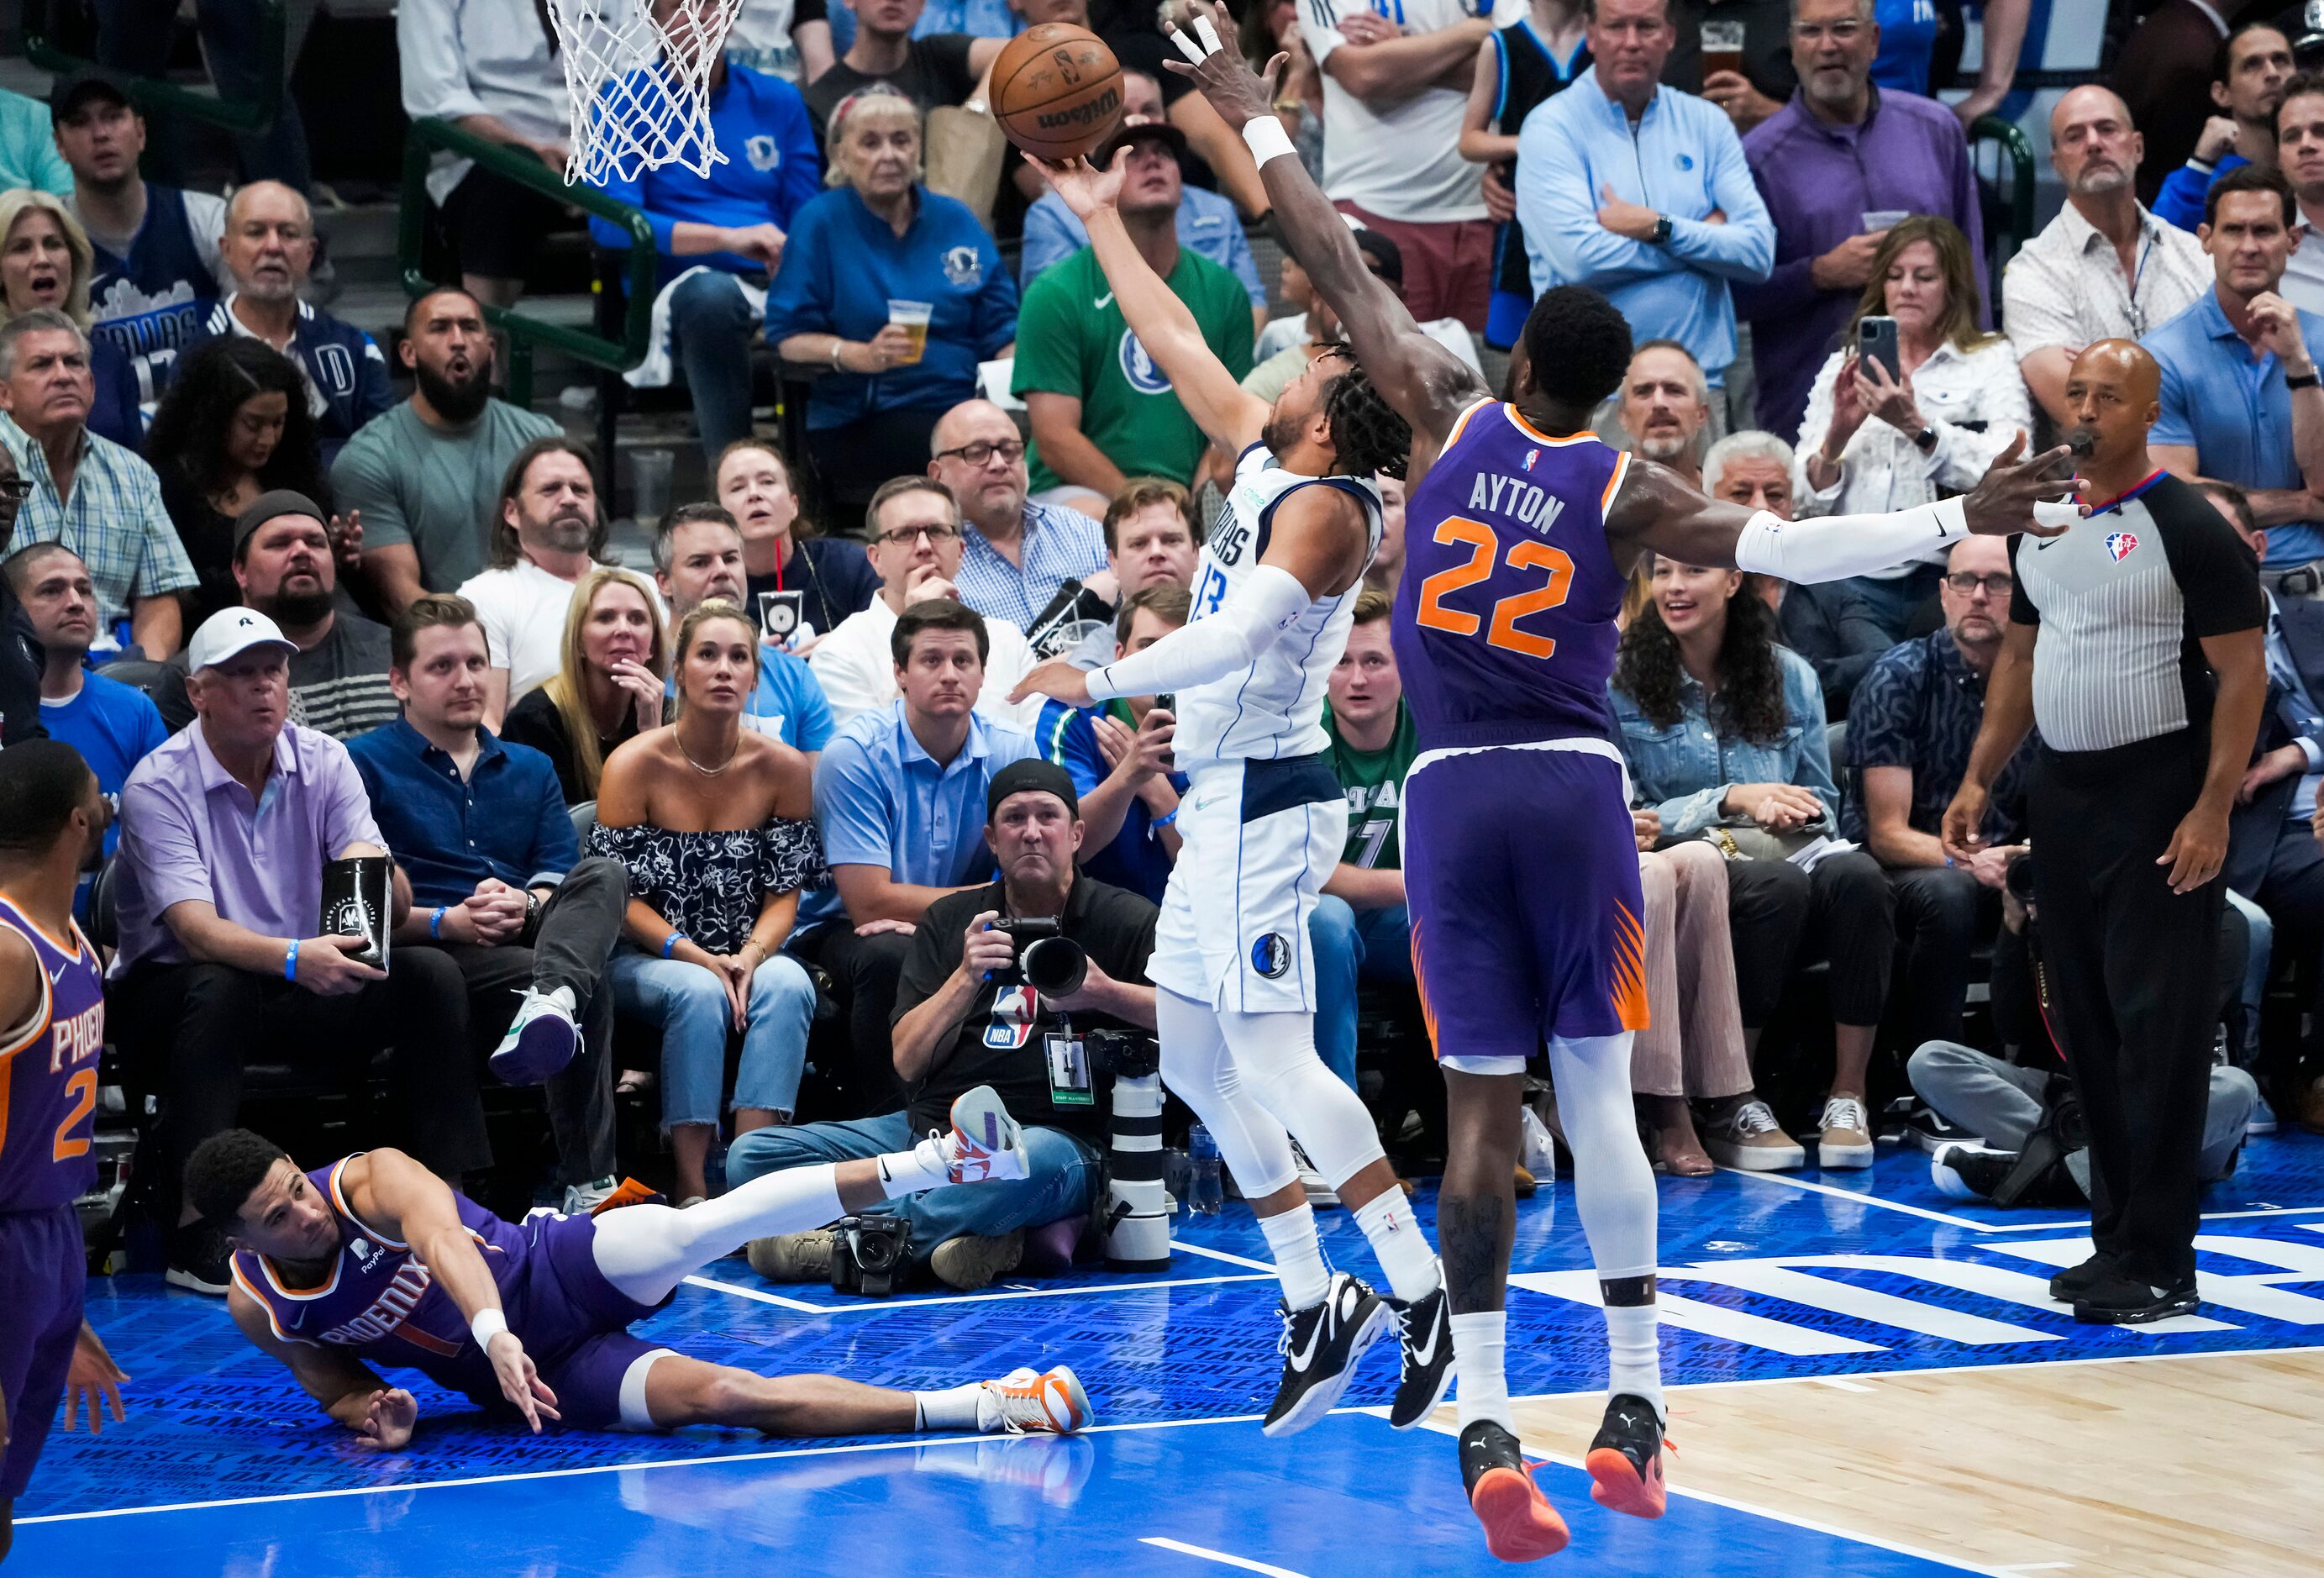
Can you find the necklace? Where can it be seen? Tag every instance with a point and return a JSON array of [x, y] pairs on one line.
[[706, 772]]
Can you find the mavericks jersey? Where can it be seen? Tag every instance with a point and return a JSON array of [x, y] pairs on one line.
[[1504, 626], [152, 302], [1273, 707], [48, 1075]]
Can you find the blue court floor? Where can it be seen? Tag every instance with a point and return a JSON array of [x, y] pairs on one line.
[[225, 1468]]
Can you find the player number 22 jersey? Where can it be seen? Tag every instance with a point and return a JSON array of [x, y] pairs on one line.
[[1273, 707]]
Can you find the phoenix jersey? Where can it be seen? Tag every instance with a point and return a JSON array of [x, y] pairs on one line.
[[1504, 627], [1273, 707], [379, 1298], [48, 1075]]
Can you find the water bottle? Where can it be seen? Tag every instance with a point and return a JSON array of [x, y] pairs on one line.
[[1206, 1193]]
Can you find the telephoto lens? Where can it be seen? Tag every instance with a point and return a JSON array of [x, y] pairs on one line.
[[1137, 1221]]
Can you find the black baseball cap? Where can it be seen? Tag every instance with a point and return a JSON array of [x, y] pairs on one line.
[[76, 89], [1031, 773]]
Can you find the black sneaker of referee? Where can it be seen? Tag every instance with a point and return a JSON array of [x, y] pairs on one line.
[[1424, 1333], [2120, 1299], [1320, 1347], [2070, 1284]]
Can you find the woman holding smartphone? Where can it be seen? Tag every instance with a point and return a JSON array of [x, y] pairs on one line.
[[1914, 404]]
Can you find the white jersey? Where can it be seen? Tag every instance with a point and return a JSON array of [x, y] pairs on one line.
[[1273, 707]]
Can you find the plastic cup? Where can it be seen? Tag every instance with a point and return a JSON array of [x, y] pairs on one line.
[[912, 317], [1878, 219]]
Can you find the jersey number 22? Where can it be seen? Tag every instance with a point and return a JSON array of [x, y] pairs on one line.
[[1526, 555]]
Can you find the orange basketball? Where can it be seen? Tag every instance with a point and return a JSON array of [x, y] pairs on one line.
[[1057, 90]]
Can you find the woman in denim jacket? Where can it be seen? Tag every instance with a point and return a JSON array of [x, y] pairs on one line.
[[1724, 729]]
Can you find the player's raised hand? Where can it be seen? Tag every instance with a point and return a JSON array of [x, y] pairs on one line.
[[1238, 93], [388, 1419], [1056, 679], [1087, 189], [2024, 496], [520, 1383], [94, 1379]]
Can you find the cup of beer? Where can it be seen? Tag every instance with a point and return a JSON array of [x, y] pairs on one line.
[[1878, 219], [912, 317], [1722, 47]]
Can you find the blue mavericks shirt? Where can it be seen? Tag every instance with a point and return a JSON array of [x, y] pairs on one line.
[[151, 303]]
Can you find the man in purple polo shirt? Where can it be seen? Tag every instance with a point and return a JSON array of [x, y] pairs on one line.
[[1832, 165], [224, 832]]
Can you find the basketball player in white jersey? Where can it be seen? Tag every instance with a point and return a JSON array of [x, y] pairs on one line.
[[1263, 821]]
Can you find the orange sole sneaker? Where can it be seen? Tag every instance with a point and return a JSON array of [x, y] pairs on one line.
[[1520, 1525], [1616, 1483]]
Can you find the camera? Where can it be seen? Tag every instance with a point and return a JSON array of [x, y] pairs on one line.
[[2018, 878], [1046, 960], [1136, 1222], [869, 1255]]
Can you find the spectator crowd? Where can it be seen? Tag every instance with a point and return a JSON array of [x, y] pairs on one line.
[[705, 817]]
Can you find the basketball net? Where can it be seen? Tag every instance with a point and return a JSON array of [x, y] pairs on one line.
[[638, 75]]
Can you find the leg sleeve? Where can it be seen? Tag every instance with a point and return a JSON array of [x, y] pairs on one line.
[[1197, 1067], [1613, 1182]]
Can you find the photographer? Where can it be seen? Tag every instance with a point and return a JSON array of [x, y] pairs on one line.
[[966, 1015], [2009, 1104]]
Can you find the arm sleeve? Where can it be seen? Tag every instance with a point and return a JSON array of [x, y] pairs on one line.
[[851, 807], [1744, 248], [2181, 200], [2216, 574], [1246, 625], [1557, 205], [362, 482]]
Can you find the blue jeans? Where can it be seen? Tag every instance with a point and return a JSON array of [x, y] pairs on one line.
[[1062, 1182], [1352, 945], [711, 326], [689, 1005]]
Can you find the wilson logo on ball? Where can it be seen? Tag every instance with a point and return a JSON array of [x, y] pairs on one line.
[[1082, 115]]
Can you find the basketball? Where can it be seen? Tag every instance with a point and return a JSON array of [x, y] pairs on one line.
[[1057, 90]]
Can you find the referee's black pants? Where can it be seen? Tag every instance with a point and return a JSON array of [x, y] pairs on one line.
[[2132, 994]]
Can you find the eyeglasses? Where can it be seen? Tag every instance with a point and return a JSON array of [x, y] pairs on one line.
[[1010, 450], [1840, 32], [1996, 585], [905, 536]]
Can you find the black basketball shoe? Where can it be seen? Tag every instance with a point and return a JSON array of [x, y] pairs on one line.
[[2072, 1283], [1520, 1525], [1626, 1461], [2120, 1299], [1320, 1347], [1424, 1333]]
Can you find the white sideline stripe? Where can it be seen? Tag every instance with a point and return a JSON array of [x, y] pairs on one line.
[[1265, 1266], [874, 1306], [1919, 1211], [759, 1294], [1208, 1555]]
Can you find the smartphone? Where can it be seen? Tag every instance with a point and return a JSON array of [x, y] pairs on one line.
[[779, 613], [1876, 341]]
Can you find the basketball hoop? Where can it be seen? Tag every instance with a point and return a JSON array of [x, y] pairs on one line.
[[638, 74]]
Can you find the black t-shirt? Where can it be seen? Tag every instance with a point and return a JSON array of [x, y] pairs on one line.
[[535, 721], [834, 574], [1767, 44], [934, 72], [1000, 1041]]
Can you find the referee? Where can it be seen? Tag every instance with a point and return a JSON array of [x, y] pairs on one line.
[[2135, 645]]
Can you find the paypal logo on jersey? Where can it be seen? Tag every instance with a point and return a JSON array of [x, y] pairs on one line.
[[1139, 368]]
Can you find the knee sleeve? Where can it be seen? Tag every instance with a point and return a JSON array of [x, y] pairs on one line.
[[1197, 1067], [1275, 1054], [1613, 1183]]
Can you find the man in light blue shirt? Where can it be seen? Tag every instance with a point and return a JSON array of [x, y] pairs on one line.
[[900, 798], [1642, 192], [2240, 397]]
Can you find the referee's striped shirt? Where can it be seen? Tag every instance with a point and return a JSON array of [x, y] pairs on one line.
[[2124, 599]]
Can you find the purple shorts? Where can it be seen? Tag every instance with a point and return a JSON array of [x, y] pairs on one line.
[[44, 1265], [1521, 875]]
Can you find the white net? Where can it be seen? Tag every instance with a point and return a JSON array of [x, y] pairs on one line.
[[637, 72]]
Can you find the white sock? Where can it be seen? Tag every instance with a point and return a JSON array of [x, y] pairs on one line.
[[926, 1166], [1298, 1255], [952, 1408], [1480, 1343], [1395, 1238], [1634, 1362]]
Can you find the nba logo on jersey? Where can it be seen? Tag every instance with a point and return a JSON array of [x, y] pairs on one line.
[[1532, 456], [1270, 955], [2120, 543]]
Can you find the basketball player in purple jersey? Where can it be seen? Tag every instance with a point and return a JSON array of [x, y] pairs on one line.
[[375, 1258], [1520, 530], [52, 819]]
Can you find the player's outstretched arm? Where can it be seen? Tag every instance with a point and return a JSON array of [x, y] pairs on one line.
[[1428, 385], [1658, 509], [332, 1377], [1228, 415], [399, 1196]]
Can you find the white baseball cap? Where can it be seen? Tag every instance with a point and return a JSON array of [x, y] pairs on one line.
[[232, 630]]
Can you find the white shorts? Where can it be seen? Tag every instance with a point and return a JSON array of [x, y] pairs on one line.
[[1260, 839]]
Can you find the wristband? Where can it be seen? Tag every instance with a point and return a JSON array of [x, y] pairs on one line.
[[670, 943], [436, 922], [290, 962], [1267, 139], [837, 345], [1165, 821], [489, 1324], [2308, 379]]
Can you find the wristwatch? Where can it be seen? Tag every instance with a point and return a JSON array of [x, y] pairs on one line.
[[2308, 379], [1926, 440], [1662, 229]]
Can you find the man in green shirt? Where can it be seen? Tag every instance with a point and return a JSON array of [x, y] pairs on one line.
[[1360, 929], [1101, 411]]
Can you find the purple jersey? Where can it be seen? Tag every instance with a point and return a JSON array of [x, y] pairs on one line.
[[379, 1300], [1503, 628], [48, 1075]]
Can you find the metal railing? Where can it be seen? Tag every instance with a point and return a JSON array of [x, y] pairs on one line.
[[2002, 241], [254, 114], [427, 137]]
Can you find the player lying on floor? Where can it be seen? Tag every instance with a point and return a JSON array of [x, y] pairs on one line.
[[373, 1259]]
